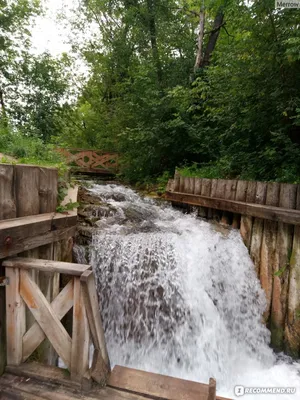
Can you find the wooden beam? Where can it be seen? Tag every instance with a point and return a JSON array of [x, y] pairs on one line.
[[93, 313], [255, 210], [212, 388], [35, 335], [47, 265], [156, 386], [15, 317], [80, 336], [46, 318], [21, 234]]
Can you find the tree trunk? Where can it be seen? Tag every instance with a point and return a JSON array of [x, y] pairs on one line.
[[153, 39], [199, 54], [213, 37], [3, 113]]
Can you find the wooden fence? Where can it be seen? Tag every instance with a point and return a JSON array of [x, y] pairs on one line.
[[29, 227], [268, 217]]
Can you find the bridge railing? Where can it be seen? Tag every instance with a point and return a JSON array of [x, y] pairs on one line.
[[89, 160]]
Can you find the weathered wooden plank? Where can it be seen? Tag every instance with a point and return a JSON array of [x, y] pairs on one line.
[[7, 210], [205, 191], [15, 317], [16, 235], [229, 194], [197, 190], [246, 226], [48, 181], [213, 189], [49, 382], [240, 195], [27, 190], [80, 336], [156, 386], [7, 192], [49, 284], [93, 313], [268, 248], [2, 324], [43, 373], [36, 241], [47, 265], [176, 181], [45, 317], [292, 328], [284, 242], [256, 210], [35, 335], [256, 226], [212, 389]]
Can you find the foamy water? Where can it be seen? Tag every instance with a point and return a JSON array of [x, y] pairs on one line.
[[179, 297]]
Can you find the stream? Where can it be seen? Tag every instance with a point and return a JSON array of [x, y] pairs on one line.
[[179, 296]]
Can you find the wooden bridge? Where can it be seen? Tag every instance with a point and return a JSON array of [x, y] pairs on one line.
[[91, 161], [52, 307]]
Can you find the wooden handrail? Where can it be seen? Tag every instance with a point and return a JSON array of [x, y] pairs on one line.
[[86, 326], [289, 216], [46, 265]]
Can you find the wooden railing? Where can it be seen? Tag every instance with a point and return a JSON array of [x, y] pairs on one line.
[[268, 217], [95, 161], [79, 293]]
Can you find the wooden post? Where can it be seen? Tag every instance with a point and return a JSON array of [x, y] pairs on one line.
[[240, 195], [292, 328], [255, 238], [101, 364], [281, 268], [213, 190], [176, 181], [220, 194], [268, 248], [80, 336], [230, 191], [205, 191], [212, 388], [7, 210], [15, 317], [246, 226]]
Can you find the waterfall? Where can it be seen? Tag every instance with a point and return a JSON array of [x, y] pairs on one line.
[[180, 296]]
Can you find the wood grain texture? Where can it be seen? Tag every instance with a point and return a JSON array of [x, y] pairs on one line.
[[157, 386], [230, 192], [21, 234], [15, 317], [246, 225], [80, 336], [45, 382], [93, 313], [265, 212], [8, 207], [284, 240], [35, 335], [257, 225], [240, 195], [292, 328], [268, 248], [45, 316], [27, 190], [47, 265]]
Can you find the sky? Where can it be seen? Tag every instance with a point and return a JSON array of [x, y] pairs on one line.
[[48, 34]]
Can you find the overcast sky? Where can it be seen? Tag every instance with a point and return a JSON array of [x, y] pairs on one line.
[[48, 34]]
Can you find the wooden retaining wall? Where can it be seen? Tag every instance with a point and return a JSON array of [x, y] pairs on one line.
[[27, 191], [268, 217]]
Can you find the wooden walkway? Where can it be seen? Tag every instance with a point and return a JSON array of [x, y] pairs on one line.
[[33, 381]]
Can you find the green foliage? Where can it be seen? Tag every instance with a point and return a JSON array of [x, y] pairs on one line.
[[68, 207]]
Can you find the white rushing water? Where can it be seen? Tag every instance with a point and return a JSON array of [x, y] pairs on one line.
[[180, 297]]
